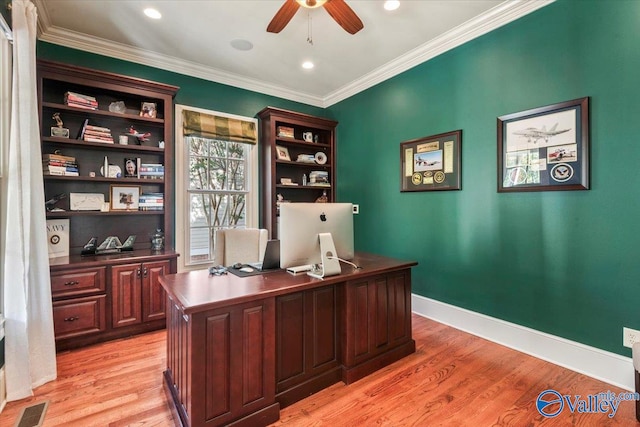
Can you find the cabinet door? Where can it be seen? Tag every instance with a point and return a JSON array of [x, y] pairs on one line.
[[307, 343], [153, 296], [233, 363], [125, 295], [378, 316]]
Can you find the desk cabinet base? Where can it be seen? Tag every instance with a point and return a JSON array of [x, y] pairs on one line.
[[238, 362]]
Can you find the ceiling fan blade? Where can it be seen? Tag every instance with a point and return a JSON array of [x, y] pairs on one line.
[[344, 16], [283, 16]]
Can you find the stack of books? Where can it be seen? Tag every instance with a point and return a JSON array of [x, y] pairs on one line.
[[151, 202], [91, 133], [57, 164], [78, 100], [151, 171]]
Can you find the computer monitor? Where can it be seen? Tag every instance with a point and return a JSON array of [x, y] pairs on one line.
[[301, 225]]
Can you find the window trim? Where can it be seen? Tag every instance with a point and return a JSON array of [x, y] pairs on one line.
[[181, 180]]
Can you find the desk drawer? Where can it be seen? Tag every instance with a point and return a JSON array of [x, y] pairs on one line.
[[79, 316], [78, 282]]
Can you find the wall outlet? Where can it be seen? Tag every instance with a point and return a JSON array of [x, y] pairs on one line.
[[356, 209], [630, 337]]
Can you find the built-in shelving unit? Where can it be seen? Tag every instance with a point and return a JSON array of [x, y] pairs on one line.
[[301, 135], [101, 297]]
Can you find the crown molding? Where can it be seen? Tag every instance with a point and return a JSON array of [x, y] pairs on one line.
[[496, 17]]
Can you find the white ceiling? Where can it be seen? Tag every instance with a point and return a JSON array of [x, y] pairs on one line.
[[194, 38]]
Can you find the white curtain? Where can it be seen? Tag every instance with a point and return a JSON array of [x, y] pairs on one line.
[[29, 339]]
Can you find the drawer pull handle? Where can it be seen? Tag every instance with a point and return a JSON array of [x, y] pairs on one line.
[[71, 319], [72, 283]]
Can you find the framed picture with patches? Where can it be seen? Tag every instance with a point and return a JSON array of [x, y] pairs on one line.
[[545, 148], [431, 163]]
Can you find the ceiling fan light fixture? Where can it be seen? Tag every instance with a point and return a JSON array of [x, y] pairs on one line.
[[311, 4]]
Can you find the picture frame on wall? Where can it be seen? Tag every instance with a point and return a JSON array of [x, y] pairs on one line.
[[545, 148], [431, 163], [125, 197]]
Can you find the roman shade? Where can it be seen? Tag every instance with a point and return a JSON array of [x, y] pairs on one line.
[[217, 127]]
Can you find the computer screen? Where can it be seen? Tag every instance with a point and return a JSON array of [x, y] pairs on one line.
[[301, 224]]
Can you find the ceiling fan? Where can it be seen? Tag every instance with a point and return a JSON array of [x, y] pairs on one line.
[[338, 9]]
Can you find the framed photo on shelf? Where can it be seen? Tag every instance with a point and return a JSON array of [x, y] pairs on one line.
[[545, 148], [282, 153], [431, 163], [131, 167], [148, 109], [125, 197]]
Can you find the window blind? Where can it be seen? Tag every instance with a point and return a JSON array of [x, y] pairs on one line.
[[216, 127]]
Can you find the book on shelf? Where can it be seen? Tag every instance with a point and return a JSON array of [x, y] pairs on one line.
[[78, 100], [88, 138], [151, 202], [59, 165], [56, 156], [62, 163], [98, 128], [53, 171], [151, 171], [92, 133]]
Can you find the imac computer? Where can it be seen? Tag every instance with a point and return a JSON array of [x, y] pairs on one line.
[[315, 234]]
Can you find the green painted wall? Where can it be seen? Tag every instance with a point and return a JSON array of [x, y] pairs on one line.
[[565, 263], [559, 262]]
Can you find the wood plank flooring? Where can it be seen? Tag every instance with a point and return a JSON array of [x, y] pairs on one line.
[[453, 379]]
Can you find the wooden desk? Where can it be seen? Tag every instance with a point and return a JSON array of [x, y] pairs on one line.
[[240, 348]]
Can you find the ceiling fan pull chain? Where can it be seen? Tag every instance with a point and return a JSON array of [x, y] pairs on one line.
[[309, 30]]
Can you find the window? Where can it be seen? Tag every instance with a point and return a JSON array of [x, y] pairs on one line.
[[216, 184]]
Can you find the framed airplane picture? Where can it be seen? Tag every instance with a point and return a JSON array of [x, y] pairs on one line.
[[545, 148], [431, 163]]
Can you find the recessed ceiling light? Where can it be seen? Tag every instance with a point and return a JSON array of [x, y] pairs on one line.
[[152, 13], [307, 65], [391, 4], [241, 44]]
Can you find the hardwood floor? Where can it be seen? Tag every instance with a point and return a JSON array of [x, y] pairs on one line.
[[453, 379]]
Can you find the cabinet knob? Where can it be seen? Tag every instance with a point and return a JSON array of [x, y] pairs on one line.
[[72, 283], [71, 319], [144, 272], [139, 272]]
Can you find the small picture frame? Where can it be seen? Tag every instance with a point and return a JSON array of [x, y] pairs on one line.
[[131, 167], [282, 153], [148, 109], [125, 197]]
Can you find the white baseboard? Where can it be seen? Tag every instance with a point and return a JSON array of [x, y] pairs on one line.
[[599, 364]]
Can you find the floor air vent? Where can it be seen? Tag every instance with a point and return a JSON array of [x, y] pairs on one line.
[[32, 416]]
